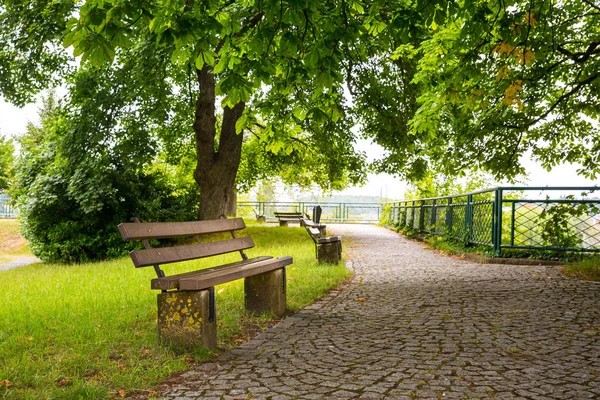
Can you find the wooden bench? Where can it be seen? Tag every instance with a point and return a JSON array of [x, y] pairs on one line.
[[186, 306], [327, 248], [306, 222], [285, 217]]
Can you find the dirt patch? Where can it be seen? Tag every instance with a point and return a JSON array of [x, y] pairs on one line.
[[11, 241]]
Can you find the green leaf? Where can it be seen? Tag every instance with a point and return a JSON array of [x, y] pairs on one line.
[[299, 112], [199, 61], [241, 123], [223, 61]]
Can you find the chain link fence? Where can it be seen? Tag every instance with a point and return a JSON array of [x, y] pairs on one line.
[[542, 218]]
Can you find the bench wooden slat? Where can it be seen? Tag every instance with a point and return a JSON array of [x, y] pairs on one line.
[[329, 239], [166, 255], [172, 281], [213, 278], [158, 230]]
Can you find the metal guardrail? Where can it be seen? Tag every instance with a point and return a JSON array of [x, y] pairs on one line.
[[507, 218], [6, 210], [332, 212]]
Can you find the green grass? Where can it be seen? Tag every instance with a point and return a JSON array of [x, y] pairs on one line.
[[587, 268], [89, 330]]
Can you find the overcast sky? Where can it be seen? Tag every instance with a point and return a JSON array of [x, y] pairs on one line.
[[13, 121]]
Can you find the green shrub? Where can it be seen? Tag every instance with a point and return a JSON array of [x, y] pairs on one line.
[[73, 189]]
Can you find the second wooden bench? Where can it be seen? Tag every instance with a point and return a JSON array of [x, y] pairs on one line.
[[285, 217]]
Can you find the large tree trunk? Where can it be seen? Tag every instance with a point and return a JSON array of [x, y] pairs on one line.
[[217, 164]]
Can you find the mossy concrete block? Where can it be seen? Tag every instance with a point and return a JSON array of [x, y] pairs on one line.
[[266, 292], [183, 319], [330, 253]]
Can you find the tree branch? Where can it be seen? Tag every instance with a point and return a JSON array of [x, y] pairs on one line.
[[562, 98], [251, 23]]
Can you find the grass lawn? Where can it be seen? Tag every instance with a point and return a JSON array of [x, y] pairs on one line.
[[89, 330]]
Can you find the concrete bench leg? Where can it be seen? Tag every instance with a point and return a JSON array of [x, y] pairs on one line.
[[266, 292], [185, 320], [283, 223], [330, 253]]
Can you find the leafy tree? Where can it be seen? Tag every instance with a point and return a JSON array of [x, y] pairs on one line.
[[7, 151], [240, 63], [498, 79], [75, 185]]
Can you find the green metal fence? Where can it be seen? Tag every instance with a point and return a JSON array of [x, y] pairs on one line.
[[6, 210], [332, 212], [544, 218]]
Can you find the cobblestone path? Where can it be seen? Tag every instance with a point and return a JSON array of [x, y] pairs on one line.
[[430, 327]]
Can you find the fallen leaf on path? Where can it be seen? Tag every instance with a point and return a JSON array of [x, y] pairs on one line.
[[361, 299]]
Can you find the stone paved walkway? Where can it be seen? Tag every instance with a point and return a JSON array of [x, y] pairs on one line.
[[430, 327]]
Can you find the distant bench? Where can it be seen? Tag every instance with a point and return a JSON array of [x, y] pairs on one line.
[[186, 306], [328, 249], [285, 217]]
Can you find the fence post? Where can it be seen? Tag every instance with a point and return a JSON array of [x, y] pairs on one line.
[[422, 216], [469, 218], [497, 238], [449, 218], [512, 223], [434, 216]]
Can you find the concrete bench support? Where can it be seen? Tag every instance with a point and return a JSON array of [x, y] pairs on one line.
[[283, 223], [184, 319], [330, 253], [266, 292]]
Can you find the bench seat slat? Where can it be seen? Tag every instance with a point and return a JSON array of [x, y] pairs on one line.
[[166, 255], [159, 230], [288, 214], [214, 278], [172, 281], [329, 239]]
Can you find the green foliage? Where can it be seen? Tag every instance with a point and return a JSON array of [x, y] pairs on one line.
[[436, 185], [588, 268], [558, 223], [7, 150], [30, 59], [500, 79], [74, 186], [89, 330]]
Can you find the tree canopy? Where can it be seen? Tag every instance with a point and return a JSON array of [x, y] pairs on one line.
[[443, 86], [501, 79]]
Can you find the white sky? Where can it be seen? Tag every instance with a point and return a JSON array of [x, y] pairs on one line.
[[13, 121]]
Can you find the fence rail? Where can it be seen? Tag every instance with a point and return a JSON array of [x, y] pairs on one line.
[[6, 210], [508, 218], [332, 212]]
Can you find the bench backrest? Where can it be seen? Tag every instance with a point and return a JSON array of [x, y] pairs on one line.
[[317, 211], [164, 230], [292, 214]]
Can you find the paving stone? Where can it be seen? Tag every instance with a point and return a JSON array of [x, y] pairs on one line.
[[430, 326]]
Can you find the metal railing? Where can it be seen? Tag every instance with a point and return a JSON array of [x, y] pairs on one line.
[[508, 218], [6, 210], [332, 212]]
